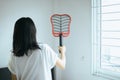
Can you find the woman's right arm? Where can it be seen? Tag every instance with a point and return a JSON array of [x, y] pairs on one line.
[[61, 62]]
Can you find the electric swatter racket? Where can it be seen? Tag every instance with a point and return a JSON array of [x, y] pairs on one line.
[[60, 28]]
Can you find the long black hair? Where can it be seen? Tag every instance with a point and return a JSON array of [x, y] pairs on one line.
[[24, 36]]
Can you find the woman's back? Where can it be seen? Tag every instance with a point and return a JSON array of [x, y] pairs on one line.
[[36, 66]]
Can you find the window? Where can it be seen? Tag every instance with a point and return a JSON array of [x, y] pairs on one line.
[[106, 38]]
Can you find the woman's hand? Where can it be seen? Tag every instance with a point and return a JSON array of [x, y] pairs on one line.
[[62, 49]]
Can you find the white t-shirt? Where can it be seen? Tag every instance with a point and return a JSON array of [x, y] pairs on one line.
[[36, 66]]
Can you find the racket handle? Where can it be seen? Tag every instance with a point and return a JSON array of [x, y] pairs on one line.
[[60, 40]]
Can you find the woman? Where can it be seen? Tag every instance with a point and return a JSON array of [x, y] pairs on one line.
[[30, 61]]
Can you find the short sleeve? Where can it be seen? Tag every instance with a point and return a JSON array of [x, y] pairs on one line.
[[11, 64], [52, 57]]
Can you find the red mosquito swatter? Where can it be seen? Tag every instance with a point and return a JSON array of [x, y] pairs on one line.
[[60, 25], [60, 28]]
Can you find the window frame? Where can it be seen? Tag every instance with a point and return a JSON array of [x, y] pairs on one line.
[[96, 44]]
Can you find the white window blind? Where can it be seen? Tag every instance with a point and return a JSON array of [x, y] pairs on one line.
[[106, 38]]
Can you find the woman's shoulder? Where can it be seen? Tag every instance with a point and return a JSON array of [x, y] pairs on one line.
[[43, 45]]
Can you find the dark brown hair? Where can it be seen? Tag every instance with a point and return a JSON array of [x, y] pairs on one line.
[[24, 36]]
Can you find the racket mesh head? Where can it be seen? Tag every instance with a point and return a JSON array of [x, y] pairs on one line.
[[60, 24]]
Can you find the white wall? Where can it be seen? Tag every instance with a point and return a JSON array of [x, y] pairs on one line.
[[78, 44], [10, 10]]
